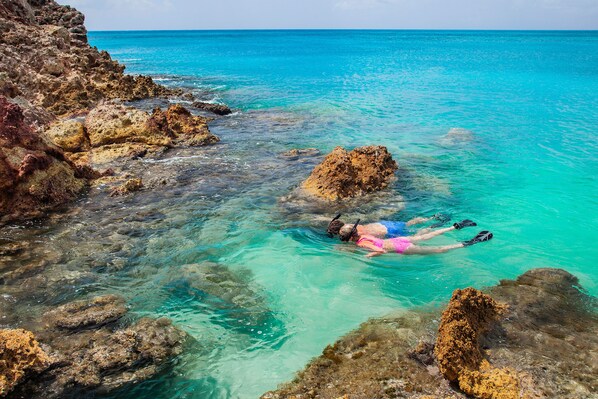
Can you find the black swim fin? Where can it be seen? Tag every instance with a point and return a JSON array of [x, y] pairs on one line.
[[464, 223], [480, 237], [441, 219]]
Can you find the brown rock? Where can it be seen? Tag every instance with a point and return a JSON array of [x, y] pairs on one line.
[[301, 152], [112, 123], [218, 109], [127, 187], [34, 177], [345, 174], [189, 129], [20, 355], [45, 58], [85, 314], [458, 353], [69, 135]]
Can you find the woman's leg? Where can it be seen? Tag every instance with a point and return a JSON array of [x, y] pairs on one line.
[[419, 250], [431, 234], [419, 220]]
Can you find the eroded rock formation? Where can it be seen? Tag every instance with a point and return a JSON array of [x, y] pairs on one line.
[[91, 350], [48, 67], [20, 354], [34, 176], [112, 130], [548, 317], [346, 174], [467, 317]]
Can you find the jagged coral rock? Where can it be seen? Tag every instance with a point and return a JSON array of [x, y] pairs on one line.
[[345, 174], [19, 354], [113, 123], [127, 187], [189, 129], [45, 59], [469, 315], [69, 135], [34, 177]]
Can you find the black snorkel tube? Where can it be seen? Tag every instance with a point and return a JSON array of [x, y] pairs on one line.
[[353, 231], [328, 229]]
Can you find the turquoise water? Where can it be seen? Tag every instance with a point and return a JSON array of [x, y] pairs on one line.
[[527, 171]]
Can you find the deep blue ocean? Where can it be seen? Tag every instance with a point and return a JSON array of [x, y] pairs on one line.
[[498, 127]]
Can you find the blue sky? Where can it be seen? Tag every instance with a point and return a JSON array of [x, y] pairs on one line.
[[338, 14]]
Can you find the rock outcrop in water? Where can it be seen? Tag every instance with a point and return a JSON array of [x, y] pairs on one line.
[[35, 177], [345, 174], [467, 317], [91, 350], [548, 318], [47, 66], [218, 109], [112, 130], [20, 355]]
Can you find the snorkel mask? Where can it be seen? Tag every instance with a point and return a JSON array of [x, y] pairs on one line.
[[330, 224], [353, 232]]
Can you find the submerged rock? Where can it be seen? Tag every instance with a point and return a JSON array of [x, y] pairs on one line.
[[34, 177], [86, 314], [296, 153], [345, 174], [218, 109], [548, 318], [20, 355], [90, 353], [127, 187], [456, 136]]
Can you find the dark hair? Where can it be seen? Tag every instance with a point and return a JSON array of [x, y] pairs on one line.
[[334, 227]]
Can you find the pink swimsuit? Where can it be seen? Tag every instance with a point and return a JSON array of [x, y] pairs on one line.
[[400, 243]]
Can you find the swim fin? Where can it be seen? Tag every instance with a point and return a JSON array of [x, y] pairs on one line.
[[480, 237], [441, 219], [464, 223]]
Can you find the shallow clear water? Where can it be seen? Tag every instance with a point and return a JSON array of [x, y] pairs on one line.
[[527, 172]]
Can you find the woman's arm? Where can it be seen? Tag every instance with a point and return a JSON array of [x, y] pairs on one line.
[[376, 250]]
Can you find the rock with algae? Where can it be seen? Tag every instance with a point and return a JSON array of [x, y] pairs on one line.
[[93, 351], [468, 315], [549, 317], [345, 174], [20, 354]]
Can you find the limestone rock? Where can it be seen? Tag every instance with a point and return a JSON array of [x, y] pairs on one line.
[[113, 123], [20, 355], [296, 153], [188, 129], [91, 350], [34, 177], [127, 187], [85, 314], [218, 109], [69, 135], [458, 353], [345, 174], [549, 317], [45, 59]]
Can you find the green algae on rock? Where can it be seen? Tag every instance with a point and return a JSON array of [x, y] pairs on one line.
[[392, 357]]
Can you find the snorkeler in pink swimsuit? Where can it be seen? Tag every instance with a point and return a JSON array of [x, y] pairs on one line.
[[406, 245]]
